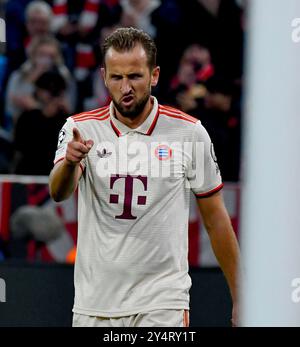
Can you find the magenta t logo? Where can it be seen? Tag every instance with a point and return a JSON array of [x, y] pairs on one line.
[[128, 196]]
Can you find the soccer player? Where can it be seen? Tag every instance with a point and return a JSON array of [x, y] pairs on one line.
[[135, 163]]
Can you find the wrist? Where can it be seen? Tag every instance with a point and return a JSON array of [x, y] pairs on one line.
[[70, 164]]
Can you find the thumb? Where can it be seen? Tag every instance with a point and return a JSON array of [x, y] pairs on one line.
[[76, 135], [89, 144]]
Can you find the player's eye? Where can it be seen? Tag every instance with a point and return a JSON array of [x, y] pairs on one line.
[[116, 77], [135, 76]]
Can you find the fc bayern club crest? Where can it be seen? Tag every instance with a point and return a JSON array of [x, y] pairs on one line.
[[163, 152]]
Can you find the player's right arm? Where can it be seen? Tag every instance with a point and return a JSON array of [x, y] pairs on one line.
[[66, 173]]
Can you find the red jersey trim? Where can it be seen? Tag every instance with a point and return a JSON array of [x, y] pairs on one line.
[[98, 112], [161, 110], [91, 117], [152, 126], [148, 133], [209, 193], [115, 129], [165, 113], [179, 113]]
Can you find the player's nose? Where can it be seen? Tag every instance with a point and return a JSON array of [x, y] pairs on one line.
[[125, 87]]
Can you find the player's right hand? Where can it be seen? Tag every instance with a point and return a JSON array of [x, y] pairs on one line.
[[78, 148]]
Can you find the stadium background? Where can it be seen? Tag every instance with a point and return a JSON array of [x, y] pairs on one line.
[[200, 51]]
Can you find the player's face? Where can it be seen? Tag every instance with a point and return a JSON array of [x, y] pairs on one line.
[[129, 80]]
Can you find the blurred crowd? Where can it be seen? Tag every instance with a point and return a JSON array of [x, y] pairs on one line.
[[49, 69]]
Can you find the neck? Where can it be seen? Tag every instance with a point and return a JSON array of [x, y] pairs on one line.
[[137, 121]]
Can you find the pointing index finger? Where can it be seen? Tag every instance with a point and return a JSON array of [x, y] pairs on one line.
[[76, 135]]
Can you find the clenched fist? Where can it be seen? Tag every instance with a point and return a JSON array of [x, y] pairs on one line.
[[78, 148]]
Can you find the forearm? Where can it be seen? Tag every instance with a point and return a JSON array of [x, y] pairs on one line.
[[226, 249], [63, 180]]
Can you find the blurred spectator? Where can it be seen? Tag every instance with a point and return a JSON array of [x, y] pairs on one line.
[[73, 25], [77, 24], [25, 19], [83, 16], [38, 15], [221, 118], [137, 13], [44, 54], [37, 130], [187, 86], [199, 57]]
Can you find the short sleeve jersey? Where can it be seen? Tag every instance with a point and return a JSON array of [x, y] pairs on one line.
[[134, 193]]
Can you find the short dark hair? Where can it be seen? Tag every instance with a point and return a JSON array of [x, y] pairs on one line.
[[125, 39]]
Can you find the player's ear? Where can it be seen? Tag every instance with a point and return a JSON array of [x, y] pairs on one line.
[[155, 76], [103, 75]]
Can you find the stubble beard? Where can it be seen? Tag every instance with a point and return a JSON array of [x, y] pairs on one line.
[[135, 110]]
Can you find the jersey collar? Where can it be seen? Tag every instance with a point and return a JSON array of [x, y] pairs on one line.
[[145, 128]]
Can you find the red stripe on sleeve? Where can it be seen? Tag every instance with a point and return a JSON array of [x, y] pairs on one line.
[[209, 193]]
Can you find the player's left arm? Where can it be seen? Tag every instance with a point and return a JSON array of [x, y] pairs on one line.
[[224, 243]]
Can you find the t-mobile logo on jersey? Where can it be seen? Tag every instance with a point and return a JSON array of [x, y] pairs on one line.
[[128, 194], [2, 290]]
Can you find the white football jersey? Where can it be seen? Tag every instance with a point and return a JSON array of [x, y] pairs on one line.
[[132, 249]]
